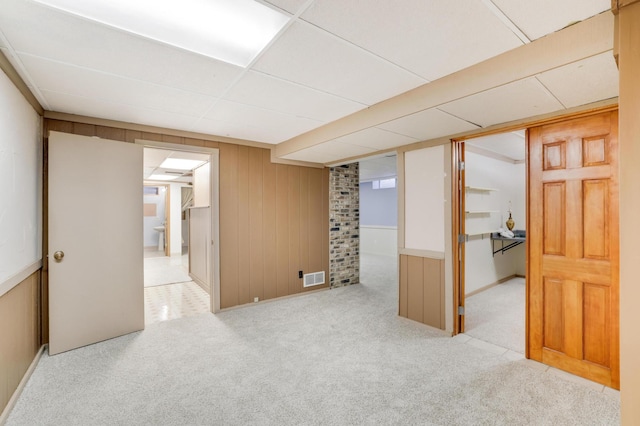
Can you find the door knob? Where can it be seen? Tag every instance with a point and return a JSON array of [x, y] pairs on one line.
[[58, 255]]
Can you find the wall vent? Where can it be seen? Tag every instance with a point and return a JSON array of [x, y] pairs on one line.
[[315, 278]]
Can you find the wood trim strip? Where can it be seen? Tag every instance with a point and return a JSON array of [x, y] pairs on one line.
[[421, 253], [488, 286], [4, 416], [10, 71], [19, 277]]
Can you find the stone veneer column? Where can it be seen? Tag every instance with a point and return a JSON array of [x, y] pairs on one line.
[[344, 226]]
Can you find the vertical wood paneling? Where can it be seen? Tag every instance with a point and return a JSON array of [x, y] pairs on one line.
[[404, 289], [432, 307], [269, 225], [282, 229], [244, 241], [315, 220], [19, 334], [421, 290], [294, 230], [274, 219], [112, 133], [415, 287], [256, 249], [325, 222], [304, 220], [229, 248]]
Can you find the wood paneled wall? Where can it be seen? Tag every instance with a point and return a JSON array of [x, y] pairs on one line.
[[273, 223], [274, 218], [19, 334], [422, 290]]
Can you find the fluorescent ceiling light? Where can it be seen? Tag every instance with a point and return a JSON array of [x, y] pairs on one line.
[[233, 31], [163, 177], [180, 164]]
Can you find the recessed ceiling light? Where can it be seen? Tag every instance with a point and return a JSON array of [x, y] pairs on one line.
[[180, 164], [163, 177], [233, 31]]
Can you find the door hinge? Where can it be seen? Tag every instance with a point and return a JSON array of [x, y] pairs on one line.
[[461, 238], [460, 165], [460, 310]]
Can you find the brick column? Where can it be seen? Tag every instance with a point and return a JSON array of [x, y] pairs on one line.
[[344, 226]]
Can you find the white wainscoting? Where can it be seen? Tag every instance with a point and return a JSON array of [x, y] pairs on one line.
[[379, 240]]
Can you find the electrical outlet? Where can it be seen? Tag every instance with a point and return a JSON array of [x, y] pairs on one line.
[[256, 299], [299, 274]]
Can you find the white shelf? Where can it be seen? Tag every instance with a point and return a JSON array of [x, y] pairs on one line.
[[480, 189], [482, 211]]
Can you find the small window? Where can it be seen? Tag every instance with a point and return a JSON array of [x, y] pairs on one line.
[[151, 190], [383, 183]]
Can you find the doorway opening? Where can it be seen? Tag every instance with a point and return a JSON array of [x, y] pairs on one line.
[[492, 251], [177, 226], [379, 222]]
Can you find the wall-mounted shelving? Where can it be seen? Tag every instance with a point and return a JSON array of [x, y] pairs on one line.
[[480, 189], [482, 211]]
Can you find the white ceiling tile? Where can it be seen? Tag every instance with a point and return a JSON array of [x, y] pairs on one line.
[[312, 57], [291, 6], [71, 104], [258, 124], [374, 138], [510, 144], [429, 38], [522, 99], [71, 80], [271, 93], [30, 27], [541, 17], [153, 157], [428, 124], [599, 74]]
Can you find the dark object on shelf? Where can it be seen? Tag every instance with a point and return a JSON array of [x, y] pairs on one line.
[[519, 237]]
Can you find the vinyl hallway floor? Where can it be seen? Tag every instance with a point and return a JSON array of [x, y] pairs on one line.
[[169, 292]]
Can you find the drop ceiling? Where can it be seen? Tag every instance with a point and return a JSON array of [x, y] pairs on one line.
[[333, 61], [154, 157]]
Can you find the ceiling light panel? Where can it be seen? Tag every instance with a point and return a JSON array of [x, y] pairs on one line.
[[88, 44], [233, 31], [180, 164]]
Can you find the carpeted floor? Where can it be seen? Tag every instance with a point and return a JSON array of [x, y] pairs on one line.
[[338, 357], [496, 315]]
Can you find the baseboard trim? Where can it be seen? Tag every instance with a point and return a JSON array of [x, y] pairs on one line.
[[14, 398], [488, 286], [275, 299]]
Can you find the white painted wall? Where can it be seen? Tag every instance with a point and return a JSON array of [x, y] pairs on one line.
[[151, 236], [20, 182], [381, 240], [425, 199], [201, 186], [481, 267], [175, 200]]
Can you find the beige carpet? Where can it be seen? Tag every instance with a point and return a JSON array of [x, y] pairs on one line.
[[338, 357], [496, 315]]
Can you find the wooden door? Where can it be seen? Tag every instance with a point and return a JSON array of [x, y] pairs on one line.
[[573, 248], [96, 288]]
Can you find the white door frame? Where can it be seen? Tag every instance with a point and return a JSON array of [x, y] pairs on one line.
[[214, 175]]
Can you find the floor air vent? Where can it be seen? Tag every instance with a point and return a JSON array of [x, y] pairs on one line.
[[315, 278]]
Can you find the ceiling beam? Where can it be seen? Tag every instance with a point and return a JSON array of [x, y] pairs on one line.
[[582, 40]]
